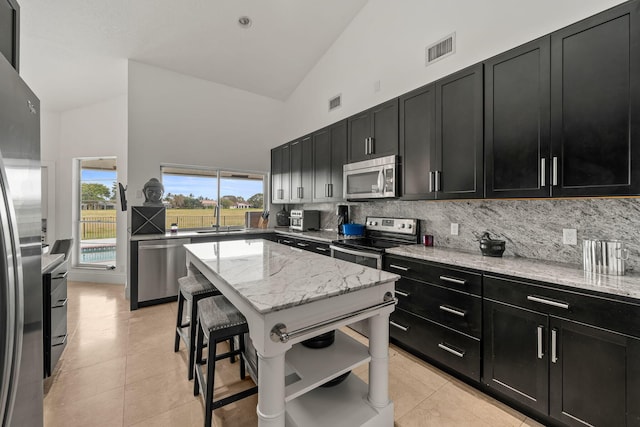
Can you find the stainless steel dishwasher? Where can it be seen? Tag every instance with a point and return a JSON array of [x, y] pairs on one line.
[[160, 264]]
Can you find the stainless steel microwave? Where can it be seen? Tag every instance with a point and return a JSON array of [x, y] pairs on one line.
[[371, 179]]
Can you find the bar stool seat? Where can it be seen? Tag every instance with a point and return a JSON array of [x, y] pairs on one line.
[[193, 287], [218, 320]]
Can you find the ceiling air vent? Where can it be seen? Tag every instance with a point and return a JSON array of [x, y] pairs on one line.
[[440, 49], [335, 102]]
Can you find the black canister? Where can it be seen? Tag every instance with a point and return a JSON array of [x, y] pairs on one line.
[[282, 217]]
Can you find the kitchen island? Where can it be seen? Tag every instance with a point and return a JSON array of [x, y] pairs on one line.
[[289, 295]]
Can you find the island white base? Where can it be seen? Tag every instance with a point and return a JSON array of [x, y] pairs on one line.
[[342, 405]]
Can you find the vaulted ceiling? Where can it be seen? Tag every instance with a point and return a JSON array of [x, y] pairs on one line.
[[75, 52]]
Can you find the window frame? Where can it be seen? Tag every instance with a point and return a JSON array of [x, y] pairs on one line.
[[218, 171]]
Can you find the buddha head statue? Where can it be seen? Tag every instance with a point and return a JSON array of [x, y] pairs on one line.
[[153, 191]]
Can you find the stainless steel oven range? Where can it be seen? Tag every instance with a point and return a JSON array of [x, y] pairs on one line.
[[380, 234]]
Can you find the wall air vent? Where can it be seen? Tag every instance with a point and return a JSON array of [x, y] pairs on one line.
[[335, 102], [440, 49]]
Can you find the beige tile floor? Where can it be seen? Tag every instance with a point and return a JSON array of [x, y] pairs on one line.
[[119, 369]]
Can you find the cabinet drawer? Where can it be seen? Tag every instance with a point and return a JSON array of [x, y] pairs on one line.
[[437, 274], [58, 344], [456, 310], [453, 349], [58, 321], [616, 315], [319, 248], [59, 294]]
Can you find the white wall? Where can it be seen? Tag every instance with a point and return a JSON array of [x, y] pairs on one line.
[[49, 149], [98, 130], [174, 118], [386, 41]]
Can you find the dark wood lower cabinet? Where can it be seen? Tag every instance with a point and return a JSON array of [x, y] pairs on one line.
[[558, 359], [446, 346], [54, 316], [514, 358], [594, 376]]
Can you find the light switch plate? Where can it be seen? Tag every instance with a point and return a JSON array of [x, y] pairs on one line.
[[569, 236], [454, 229]]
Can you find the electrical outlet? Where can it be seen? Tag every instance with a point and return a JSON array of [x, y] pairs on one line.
[[454, 229], [376, 86], [569, 236], [138, 194]]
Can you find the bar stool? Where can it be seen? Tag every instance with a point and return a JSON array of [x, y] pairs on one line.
[[220, 321], [193, 287]]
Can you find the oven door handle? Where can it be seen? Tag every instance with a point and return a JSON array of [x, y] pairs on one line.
[[377, 257]]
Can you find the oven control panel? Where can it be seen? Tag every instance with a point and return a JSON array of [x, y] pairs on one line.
[[392, 225]]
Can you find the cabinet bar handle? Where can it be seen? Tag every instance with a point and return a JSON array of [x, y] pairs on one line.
[[60, 303], [302, 245], [554, 346], [431, 190], [554, 172], [451, 350], [402, 293], [437, 173], [64, 338], [318, 248], [543, 172], [548, 302], [540, 353], [330, 190], [396, 325], [451, 310], [453, 280], [399, 267], [366, 146], [371, 145], [286, 241]]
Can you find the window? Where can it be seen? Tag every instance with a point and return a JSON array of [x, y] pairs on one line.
[[201, 198], [97, 213]]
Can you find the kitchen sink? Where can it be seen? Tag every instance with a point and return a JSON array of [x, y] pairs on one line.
[[220, 230]]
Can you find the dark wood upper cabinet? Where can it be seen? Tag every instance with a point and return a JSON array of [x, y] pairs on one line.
[[10, 31], [302, 169], [417, 143], [280, 179], [595, 105], [459, 135], [374, 132], [517, 122], [329, 155]]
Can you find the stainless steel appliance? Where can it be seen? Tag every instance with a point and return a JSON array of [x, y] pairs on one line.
[[371, 179], [21, 342], [160, 264], [380, 234], [304, 220]]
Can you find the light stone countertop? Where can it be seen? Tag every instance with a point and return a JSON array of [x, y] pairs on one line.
[[50, 261], [194, 233], [274, 277], [544, 271]]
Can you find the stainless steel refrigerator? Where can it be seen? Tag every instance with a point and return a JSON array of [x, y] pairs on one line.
[[21, 364]]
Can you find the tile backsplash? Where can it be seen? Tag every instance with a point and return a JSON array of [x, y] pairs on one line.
[[531, 228]]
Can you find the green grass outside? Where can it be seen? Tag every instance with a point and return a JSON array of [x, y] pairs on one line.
[[101, 223]]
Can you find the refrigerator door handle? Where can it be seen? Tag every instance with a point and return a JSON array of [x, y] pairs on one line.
[[10, 251]]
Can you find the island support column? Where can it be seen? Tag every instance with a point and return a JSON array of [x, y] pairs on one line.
[[379, 364], [271, 405]]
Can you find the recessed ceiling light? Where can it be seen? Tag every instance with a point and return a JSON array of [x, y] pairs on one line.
[[244, 21]]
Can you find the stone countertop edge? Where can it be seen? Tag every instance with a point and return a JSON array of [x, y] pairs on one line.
[[194, 233], [323, 236], [50, 261], [277, 277], [568, 275]]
